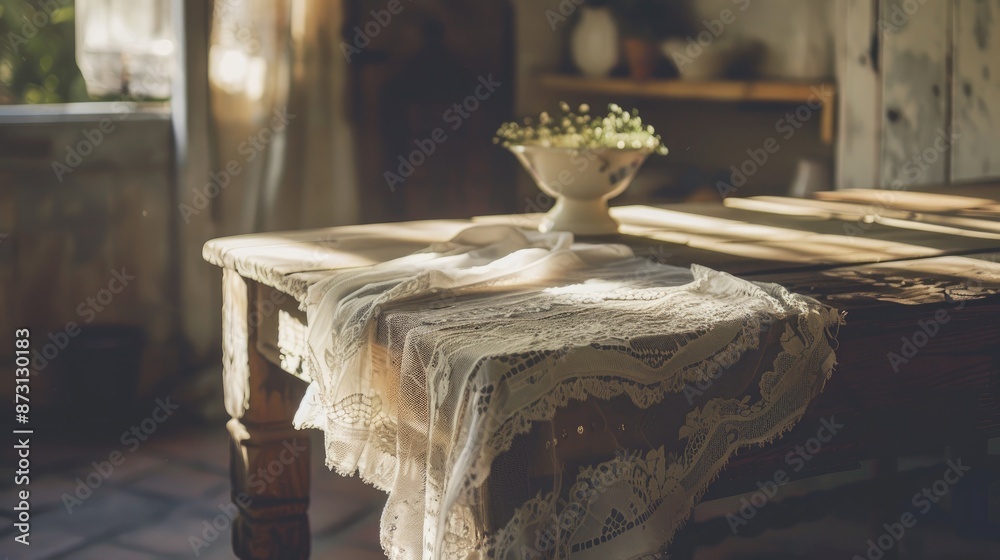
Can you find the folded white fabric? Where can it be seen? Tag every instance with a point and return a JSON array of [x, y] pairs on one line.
[[427, 367]]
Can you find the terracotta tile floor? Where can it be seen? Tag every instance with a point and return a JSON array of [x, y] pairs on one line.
[[164, 493]]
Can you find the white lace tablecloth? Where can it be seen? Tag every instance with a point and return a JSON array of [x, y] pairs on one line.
[[428, 367]]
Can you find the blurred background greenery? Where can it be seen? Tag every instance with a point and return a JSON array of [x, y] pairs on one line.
[[38, 53]]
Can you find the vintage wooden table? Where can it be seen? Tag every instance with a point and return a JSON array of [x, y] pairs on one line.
[[918, 359]]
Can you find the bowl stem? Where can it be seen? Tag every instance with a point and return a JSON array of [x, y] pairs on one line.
[[580, 216]]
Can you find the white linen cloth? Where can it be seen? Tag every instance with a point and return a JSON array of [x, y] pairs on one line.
[[427, 367]]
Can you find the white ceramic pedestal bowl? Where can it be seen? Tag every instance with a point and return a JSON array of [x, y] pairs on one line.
[[582, 181]]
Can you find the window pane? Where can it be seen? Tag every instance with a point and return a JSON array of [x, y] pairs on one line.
[[62, 51], [125, 47]]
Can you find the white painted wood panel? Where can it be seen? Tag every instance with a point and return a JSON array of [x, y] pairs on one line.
[[859, 119], [976, 95], [916, 90]]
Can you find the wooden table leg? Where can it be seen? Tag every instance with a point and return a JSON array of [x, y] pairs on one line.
[[269, 462]]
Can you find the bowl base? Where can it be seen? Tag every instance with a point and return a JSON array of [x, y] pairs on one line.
[[580, 217]]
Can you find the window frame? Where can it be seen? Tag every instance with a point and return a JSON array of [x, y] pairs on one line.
[[84, 112], [94, 111]]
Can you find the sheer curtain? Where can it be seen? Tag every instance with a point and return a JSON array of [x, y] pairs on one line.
[[264, 141], [277, 84]]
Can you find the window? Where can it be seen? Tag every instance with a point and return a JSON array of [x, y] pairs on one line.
[[65, 51]]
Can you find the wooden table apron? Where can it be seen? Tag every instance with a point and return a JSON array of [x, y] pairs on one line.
[[891, 397]]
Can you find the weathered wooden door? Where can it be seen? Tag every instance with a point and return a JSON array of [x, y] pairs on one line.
[[919, 85]]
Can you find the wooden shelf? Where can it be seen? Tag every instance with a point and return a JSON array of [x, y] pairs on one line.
[[719, 91]]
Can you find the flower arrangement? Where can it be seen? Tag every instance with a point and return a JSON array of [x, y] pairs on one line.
[[620, 129], [558, 151]]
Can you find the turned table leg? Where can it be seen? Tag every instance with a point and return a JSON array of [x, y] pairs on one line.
[[269, 461]]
